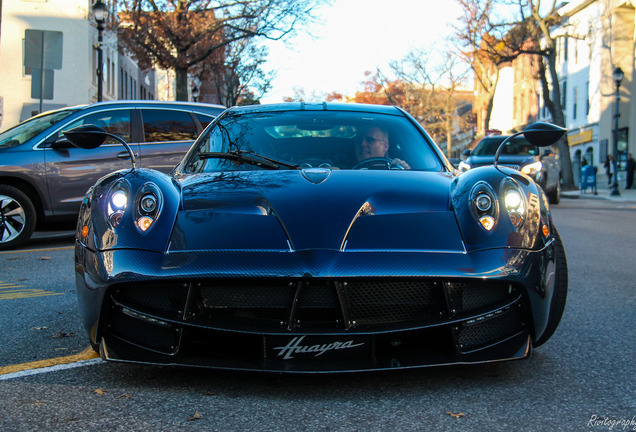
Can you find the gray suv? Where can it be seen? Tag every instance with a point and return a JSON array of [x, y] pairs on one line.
[[43, 178], [542, 164]]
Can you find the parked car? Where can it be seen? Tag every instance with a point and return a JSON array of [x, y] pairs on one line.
[[542, 164], [279, 244], [43, 178]]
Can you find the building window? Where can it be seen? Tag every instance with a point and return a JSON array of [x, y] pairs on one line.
[[575, 92], [587, 98], [564, 94], [576, 51], [121, 83]]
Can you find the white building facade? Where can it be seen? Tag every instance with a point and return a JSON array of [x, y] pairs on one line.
[[69, 60], [601, 37]]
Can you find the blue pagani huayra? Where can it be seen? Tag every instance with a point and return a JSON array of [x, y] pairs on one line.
[[274, 247]]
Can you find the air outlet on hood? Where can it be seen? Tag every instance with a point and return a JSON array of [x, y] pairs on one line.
[[316, 175]]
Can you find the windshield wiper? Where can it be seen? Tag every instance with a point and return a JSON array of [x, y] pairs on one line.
[[248, 157]]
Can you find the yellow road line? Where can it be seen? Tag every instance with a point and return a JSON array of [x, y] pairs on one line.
[[37, 250], [8, 291], [9, 295], [87, 354]]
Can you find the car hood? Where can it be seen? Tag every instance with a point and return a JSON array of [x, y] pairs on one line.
[[316, 209], [514, 161]]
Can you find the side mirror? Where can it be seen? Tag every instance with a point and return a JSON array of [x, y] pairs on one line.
[[466, 152], [91, 136], [543, 134], [540, 134], [87, 137]]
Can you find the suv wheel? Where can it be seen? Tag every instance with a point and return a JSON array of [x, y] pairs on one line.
[[17, 217], [555, 195]]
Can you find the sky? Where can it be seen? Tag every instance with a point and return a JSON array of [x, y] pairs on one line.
[[354, 36]]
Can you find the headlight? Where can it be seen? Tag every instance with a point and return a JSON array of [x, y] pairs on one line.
[[532, 169], [463, 166], [149, 203], [514, 202], [144, 206], [483, 202], [117, 202], [484, 205]]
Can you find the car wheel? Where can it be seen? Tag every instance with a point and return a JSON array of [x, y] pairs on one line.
[[557, 305], [17, 217], [555, 195]]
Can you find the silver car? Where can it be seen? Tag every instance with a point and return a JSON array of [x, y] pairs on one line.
[[43, 178]]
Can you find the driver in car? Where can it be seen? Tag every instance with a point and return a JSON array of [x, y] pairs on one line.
[[375, 144]]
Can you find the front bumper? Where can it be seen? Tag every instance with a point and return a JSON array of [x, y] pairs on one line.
[[314, 311]]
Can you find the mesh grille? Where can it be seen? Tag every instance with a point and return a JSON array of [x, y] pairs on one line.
[[468, 297], [372, 302], [142, 332], [165, 300], [490, 330], [316, 304], [252, 303]]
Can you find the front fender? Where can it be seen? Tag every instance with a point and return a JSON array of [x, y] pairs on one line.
[[528, 235], [96, 232]]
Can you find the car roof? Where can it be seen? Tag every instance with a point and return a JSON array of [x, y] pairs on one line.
[[317, 106], [197, 106]]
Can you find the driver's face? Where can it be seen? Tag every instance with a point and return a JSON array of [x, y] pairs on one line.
[[373, 144]]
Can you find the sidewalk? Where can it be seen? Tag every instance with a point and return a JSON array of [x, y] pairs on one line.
[[603, 191]]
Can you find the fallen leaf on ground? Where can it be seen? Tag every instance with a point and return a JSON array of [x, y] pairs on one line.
[[100, 391], [458, 415], [45, 258], [62, 334], [196, 416], [126, 395]]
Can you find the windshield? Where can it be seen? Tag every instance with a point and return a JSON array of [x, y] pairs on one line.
[[306, 139], [516, 146], [28, 129]]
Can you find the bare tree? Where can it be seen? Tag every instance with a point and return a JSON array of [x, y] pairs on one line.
[[529, 31], [480, 50], [240, 79], [427, 86], [178, 34]]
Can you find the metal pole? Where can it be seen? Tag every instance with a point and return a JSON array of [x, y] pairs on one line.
[[42, 75], [100, 61], [617, 115]]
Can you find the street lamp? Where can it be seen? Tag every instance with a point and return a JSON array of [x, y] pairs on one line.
[[618, 76], [100, 13], [195, 93]]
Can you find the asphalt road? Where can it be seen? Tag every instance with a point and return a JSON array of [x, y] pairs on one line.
[[582, 379]]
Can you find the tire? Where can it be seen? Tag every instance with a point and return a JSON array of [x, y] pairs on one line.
[[95, 346], [557, 305], [555, 195], [17, 217]]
